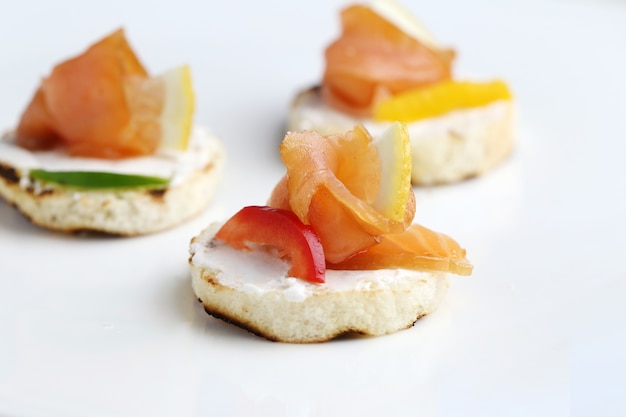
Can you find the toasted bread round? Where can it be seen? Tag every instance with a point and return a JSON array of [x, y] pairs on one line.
[[446, 149], [252, 290], [126, 212]]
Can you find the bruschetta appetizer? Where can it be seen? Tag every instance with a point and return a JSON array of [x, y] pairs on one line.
[[104, 146], [333, 251], [385, 66]]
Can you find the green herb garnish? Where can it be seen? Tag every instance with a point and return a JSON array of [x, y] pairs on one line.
[[99, 180]]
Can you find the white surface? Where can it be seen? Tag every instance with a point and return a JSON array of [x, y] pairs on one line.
[[109, 327]]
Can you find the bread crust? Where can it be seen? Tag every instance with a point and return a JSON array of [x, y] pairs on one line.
[[446, 149], [126, 212], [365, 306]]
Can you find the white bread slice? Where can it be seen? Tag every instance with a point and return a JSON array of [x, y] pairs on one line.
[[446, 149], [252, 290], [126, 212]]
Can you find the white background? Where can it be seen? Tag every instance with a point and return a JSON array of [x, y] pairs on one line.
[[109, 327]]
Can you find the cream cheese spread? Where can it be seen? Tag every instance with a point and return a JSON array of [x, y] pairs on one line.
[[310, 112], [258, 272], [446, 148], [165, 163]]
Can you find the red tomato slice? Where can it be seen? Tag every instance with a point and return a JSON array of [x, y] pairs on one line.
[[282, 230]]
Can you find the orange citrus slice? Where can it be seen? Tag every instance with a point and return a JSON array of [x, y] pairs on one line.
[[438, 99]]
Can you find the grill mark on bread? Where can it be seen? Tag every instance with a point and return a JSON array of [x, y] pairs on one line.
[[209, 166], [229, 319], [13, 178], [317, 89], [455, 135], [237, 323], [158, 194], [9, 173], [84, 231], [419, 316], [44, 192], [210, 279], [251, 329]]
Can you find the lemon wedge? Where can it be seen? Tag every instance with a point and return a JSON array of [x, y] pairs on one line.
[[404, 20], [178, 107], [394, 151]]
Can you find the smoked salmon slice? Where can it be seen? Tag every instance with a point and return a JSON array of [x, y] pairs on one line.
[[98, 104], [416, 248], [331, 184], [373, 60], [35, 129]]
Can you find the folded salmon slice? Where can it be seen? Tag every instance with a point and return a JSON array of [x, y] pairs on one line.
[[331, 184], [98, 104], [416, 248], [373, 59]]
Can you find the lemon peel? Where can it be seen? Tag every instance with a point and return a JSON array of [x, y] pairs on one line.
[[178, 107], [404, 20], [394, 150]]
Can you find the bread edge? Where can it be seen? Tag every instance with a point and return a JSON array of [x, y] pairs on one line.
[[323, 315], [127, 212]]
